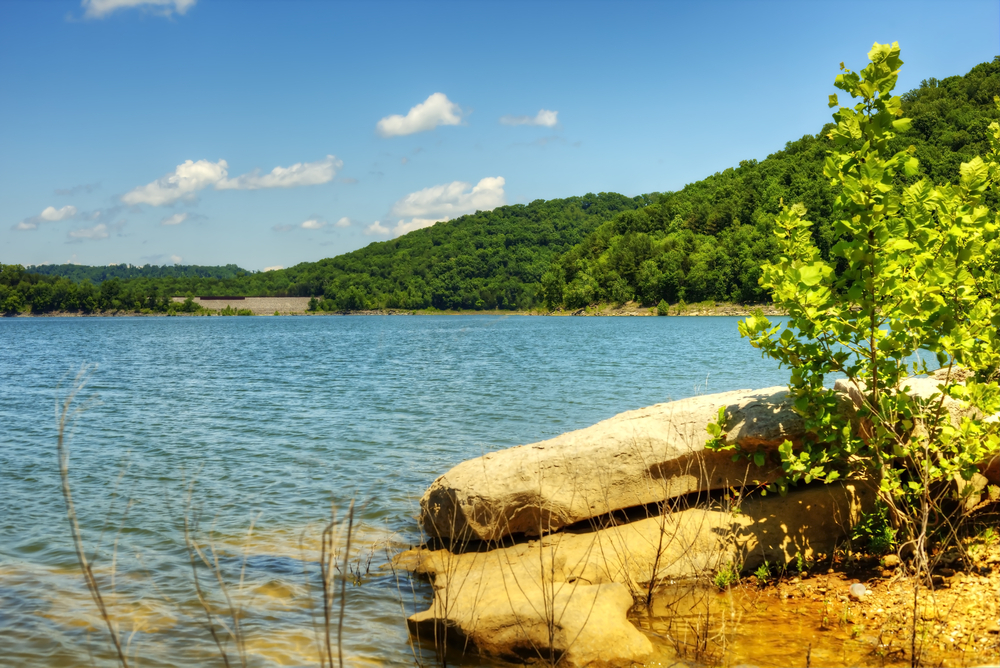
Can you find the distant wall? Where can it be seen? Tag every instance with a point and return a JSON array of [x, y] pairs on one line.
[[259, 305]]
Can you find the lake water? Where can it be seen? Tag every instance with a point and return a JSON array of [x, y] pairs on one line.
[[270, 421]]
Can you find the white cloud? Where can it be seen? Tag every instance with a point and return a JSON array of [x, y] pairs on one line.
[[49, 214], [312, 224], [190, 177], [176, 259], [175, 219], [299, 174], [99, 231], [434, 111], [185, 180], [98, 9], [343, 222], [274, 268], [452, 199], [377, 228], [544, 118], [402, 227]]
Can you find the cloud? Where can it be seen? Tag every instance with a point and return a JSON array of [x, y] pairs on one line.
[[99, 231], [175, 219], [377, 228], [452, 199], [544, 118], [49, 214], [343, 222], [402, 227], [299, 174], [348, 180], [434, 111], [274, 268], [98, 9], [444, 202], [190, 177], [187, 179], [176, 259], [76, 190], [52, 214], [313, 223]]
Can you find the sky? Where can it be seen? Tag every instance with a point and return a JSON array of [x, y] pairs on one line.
[[266, 133]]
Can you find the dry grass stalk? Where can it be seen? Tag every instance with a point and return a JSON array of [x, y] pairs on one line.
[[65, 413]]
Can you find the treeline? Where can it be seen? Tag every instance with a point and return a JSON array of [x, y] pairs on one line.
[[124, 272], [706, 241], [22, 290]]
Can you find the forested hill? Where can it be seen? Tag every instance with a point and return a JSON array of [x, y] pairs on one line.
[[705, 241], [97, 275], [489, 259], [708, 240]]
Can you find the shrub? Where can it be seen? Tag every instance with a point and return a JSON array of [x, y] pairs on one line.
[[915, 270]]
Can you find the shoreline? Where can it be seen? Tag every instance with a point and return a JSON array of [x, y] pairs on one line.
[[630, 309]]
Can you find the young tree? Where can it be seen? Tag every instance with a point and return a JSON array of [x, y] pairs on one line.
[[915, 272]]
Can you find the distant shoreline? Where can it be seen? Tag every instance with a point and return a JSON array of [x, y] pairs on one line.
[[630, 309]]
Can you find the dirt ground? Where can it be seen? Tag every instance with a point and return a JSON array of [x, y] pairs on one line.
[[812, 618]]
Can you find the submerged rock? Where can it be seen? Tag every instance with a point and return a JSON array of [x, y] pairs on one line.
[[633, 459], [569, 593]]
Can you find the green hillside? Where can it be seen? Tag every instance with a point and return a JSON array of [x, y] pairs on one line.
[[708, 240], [705, 241]]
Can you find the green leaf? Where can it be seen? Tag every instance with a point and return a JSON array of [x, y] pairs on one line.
[[833, 101], [758, 458], [811, 274]]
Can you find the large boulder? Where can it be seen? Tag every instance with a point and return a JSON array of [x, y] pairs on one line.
[[633, 459], [567, 595], [928, 389]]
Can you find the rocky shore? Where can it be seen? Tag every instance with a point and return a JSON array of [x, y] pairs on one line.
[[299, 306], [545, 552]]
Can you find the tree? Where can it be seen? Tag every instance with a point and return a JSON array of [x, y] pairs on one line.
[[916, 270]]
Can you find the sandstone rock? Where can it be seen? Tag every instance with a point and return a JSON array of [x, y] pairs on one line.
[[635, 458], [926, 388], [501, 602], [500, 606]]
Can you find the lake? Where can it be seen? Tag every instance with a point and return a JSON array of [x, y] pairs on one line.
[[270, 421]]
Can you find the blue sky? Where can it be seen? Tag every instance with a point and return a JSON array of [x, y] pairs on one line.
[[268, 133]]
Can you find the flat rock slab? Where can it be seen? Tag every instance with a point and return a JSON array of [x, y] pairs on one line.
[[568, 594], [633, 459]]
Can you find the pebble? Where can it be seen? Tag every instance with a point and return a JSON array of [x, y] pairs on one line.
[[857, 591], [890, 561]]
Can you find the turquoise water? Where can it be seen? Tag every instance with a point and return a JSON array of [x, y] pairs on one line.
[[271, 420]]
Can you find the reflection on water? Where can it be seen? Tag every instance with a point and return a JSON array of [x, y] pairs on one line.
[[275, 419]]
